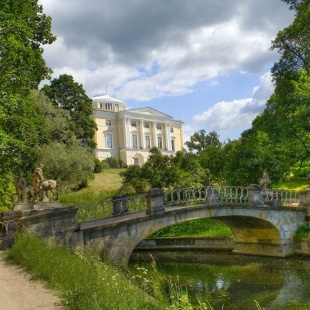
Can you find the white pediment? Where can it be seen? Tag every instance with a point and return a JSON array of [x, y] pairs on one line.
[[148, 111]]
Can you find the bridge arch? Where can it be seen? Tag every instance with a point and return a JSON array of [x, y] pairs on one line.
[[256, 230]]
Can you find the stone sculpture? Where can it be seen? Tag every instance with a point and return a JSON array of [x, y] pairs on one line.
[[265, 180], [42, 186], [21, 188]]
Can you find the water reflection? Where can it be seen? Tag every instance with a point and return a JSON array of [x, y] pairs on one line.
[[236, 282]]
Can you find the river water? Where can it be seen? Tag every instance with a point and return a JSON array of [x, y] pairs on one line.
[[230, 281]]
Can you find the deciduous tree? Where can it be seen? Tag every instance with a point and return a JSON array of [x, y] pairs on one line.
[[67, 94]]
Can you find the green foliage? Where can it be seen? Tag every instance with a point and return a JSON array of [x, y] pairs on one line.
[[196, 228], [287, 114], [24, 29], [200, 141], [57, 120], [302, 232], [211, 155], [98, 165], [71, 97], [163, 171], [112, 162], [134, 181], [22, 126], [7, 190], [71, 166]]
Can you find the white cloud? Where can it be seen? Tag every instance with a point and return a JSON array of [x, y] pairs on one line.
[[116, 43], [237, 114]]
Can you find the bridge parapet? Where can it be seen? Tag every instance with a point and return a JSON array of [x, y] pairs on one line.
[[209, 195]]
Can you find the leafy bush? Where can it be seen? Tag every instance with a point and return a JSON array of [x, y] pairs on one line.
[[112, 162], [303, 232], [98, 166], [71, 166], [7, 190]]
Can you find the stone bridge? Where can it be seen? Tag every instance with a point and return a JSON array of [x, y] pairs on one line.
[[262, 223], [257, 230]]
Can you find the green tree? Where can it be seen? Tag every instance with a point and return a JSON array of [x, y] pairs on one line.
[[211, 155], [23, 30], [57, 120], [189, 171], [199, 141], [71, 166], [22, 128], [134, 182], [158, 170], [70, 96], [286, 118]]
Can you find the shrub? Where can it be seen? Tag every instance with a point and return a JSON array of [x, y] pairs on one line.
[[303, 232]]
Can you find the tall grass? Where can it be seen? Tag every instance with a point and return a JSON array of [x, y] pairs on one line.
[[86, 282]]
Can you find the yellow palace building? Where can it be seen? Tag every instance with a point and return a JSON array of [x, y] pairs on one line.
[[128, 134]]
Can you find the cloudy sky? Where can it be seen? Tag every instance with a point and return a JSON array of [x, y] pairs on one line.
[[204, 62]]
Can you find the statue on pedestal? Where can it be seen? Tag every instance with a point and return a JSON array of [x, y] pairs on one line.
[[21, 188], [265, 180], [42, 186]]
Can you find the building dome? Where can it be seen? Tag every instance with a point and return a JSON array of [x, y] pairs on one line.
[[105, 102]]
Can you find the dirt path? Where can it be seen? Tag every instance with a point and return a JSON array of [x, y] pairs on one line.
[[19, 292]]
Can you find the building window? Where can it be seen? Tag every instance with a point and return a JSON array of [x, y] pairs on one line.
[[108, 106], [147, 142], [101, 105], [136, 161], [172, 145], [135, 141], [116, 107], [133, 123], [171, 129], [160, 142], [109, 140], [108, 122], [146, 125], [158, 126]]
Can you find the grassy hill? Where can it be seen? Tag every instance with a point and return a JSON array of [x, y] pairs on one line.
[[105, 185]]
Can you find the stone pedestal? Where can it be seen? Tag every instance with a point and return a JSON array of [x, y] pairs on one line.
[[40, 205], [255, 194], [155, 202], [22, 206]]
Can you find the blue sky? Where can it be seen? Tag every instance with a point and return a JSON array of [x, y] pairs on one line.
[[204, 62]]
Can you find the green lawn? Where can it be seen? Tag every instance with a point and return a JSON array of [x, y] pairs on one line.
[[105, 185], [292, 184]]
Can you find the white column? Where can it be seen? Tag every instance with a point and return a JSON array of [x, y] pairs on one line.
[[142, 139], [168, 137], [154, 135], [127, 132]]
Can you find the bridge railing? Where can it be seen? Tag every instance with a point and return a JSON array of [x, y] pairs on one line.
[[207, 194], [189, 197], [109, 207], [282, 198]]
